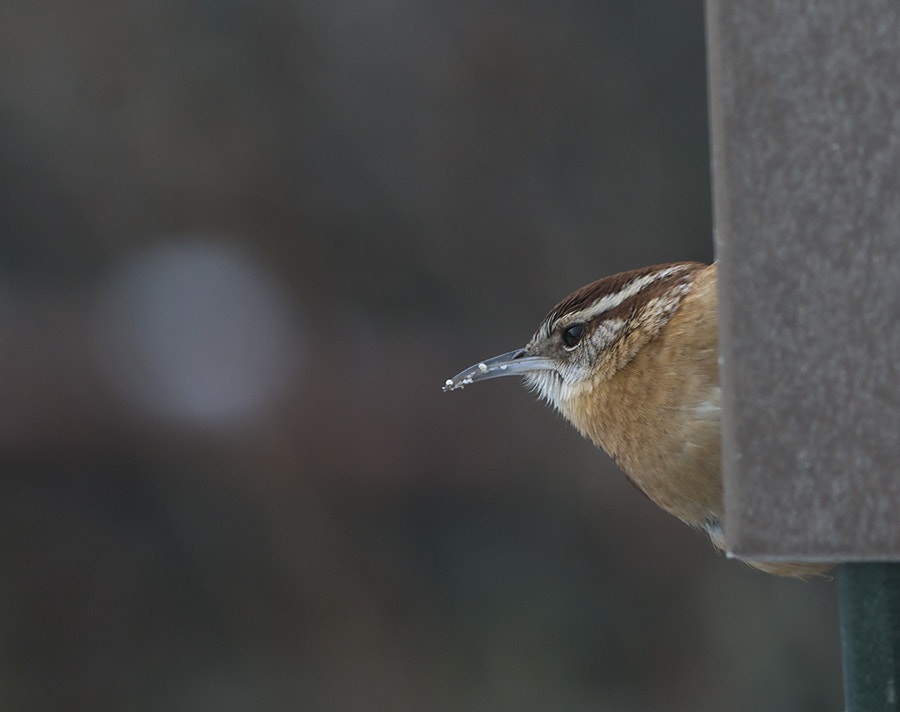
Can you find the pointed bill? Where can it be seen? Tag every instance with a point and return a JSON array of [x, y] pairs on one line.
[[513, 363]]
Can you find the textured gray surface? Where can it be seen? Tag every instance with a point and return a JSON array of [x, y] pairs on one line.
[[805, 111]]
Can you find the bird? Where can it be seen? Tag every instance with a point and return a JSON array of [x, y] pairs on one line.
[[632, 362]]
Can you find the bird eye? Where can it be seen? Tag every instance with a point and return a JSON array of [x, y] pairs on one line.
[[572, 334]]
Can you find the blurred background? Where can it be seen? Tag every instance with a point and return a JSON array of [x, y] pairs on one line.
[[242, 245]]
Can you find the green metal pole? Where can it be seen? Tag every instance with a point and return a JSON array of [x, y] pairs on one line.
[[869, 608]]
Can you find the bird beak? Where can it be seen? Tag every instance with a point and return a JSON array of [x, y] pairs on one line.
[[514, 363]]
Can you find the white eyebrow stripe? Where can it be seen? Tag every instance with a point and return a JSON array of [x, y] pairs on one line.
[[610, 301]]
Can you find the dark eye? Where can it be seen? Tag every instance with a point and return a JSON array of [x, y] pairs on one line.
[[571, 335]]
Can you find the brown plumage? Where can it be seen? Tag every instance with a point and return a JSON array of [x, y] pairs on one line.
[[632, 362]]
